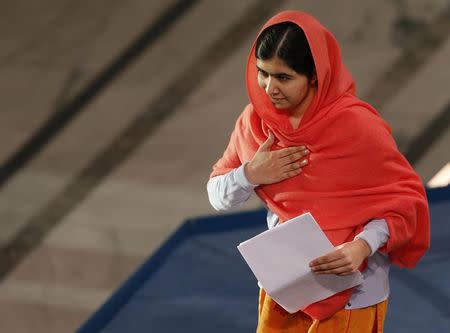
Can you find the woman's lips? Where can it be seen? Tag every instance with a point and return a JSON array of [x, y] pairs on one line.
[[276, 100]]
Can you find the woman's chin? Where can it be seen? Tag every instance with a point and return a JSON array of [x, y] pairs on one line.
[[281, 105]]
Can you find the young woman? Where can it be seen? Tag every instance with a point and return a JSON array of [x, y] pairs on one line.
[[306, 143]]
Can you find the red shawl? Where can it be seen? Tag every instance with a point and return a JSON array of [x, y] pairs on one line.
[[355, 171]]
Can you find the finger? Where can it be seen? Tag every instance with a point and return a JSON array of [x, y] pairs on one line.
[[338, 271], [287, 169], [290, 150], [330, 266], [291, 167], [291, 174], [293, 157], [332, 256], [294, 166], [268, 143]]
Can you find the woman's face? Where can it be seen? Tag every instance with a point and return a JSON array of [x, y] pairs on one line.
[[286, 88]]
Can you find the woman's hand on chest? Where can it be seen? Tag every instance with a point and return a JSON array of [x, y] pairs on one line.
[[268, 167]]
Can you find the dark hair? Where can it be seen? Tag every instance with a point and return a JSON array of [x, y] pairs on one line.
[[288, 42]]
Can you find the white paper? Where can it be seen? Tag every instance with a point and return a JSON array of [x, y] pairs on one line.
[[280, 259]]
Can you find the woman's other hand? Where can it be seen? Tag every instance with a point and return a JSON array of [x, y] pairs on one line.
[[344, 260], [268, 167]]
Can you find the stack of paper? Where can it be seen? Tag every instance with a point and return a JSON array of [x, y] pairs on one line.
[[280, 259]]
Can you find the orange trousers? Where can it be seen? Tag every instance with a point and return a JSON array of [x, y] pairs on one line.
[[273, 318]]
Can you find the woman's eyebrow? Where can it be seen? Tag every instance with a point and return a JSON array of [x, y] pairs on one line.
[[273, 74]]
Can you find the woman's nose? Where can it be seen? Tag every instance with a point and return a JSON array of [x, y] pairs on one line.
[[270, 86]]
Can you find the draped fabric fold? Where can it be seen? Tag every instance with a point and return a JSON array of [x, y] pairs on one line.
[[355, 171]]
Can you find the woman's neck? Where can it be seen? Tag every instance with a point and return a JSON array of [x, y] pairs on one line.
[[297, 113]]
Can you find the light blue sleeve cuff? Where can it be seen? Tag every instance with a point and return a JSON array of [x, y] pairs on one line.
[[241, 178], [375, 233]]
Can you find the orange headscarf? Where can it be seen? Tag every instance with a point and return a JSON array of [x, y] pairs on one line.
[[355, 172]]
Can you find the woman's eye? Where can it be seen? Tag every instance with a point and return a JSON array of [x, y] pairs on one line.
[[264, 74], [283, 78]]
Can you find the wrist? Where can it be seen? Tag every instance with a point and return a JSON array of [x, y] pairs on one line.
[[242, 179], [249, 173], [365, 247]]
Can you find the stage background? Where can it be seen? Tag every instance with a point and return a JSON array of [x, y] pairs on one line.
[[198, 282]]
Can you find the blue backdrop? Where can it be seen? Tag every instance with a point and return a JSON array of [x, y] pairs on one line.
[[198, 282]]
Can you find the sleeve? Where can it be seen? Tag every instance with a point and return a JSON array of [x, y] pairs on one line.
[[229, 190], [375, 233]]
